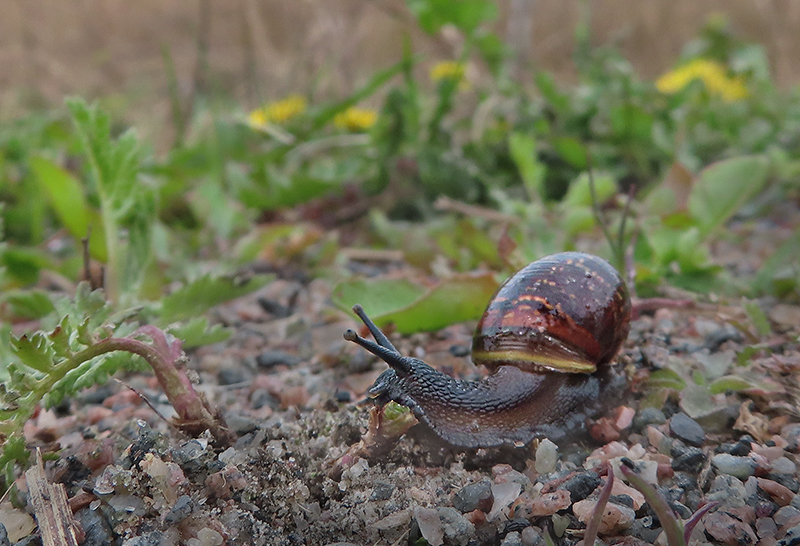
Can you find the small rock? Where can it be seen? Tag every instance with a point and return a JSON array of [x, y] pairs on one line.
[[532, 536], [457, 529], [581, 486], [272, 358], [232, 376], [688, 459], [792, 435], [460, 350], [263, 398], [4, 536], [792, 537], [382, 491], [729, 530], [729, 491], [779, 493], [648, 416], [739, 448], [504, 494], [615, 517], [795, 502], [765, 527], [512, 539], [430, 526], [741, 467], [181, 510], [546, 457], [241, 424], [96, 528], [783, 465], [785, 515], [475, 496], [150, 539], [684, 427]]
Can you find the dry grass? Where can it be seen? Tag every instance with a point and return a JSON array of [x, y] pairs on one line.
[[259, 49]]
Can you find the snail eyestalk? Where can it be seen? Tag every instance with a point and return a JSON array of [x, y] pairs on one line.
[[401, 364]]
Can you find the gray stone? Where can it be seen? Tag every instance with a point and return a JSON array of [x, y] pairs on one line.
[[581, 486], [792, 537], [96, 527], [785, 514], [741, 467], [684, 427], [512, 539], [688, 459], [457, 529], [475, 496], [382, 491], [181, 510], [648, 416]]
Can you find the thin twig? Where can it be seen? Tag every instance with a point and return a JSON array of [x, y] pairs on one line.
[[146, 401]]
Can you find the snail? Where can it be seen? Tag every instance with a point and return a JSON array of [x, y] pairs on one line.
[[548, 336]]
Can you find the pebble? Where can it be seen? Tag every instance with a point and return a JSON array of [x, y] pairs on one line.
[[241, 424], [181, 510], [783, 465], [232, 375], [648, 416], [457, 529], [792, 537], [741, 467], [792, 434], [382, 491], [729, 491], [512, 539], [581, 486], [532, 536], [96, 527], [739, 448], [272, 358], [688, 459], [729, 530], [684, 427], [4, 536], [546, 457], [765, 527], [150, 539], [430, 526], [262, 398], [795, 502], [785, 515], [504, 494], [475, 496]]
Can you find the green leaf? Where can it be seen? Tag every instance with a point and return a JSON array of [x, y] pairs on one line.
[[412, 308], [66, 195], [571, 150], [665, 379], [757, 317], [196, 332], [467, 15], [378, 296], [723, 187], [196, 297], [580, 192], [454, 300], [34, 351], [727, 383], [29, 304], [533, 172]]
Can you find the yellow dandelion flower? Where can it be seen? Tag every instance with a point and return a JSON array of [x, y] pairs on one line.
[[356, 119], [712, 74], [278, 112], [450, 70]]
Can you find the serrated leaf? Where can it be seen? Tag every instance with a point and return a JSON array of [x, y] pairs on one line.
[[34, 351], [60, 338], [197, 332], [195, 298]]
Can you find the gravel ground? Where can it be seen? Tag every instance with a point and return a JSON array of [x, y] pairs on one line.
[[287, 384]]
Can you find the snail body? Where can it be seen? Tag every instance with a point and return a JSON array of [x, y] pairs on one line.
[[548, 336]]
